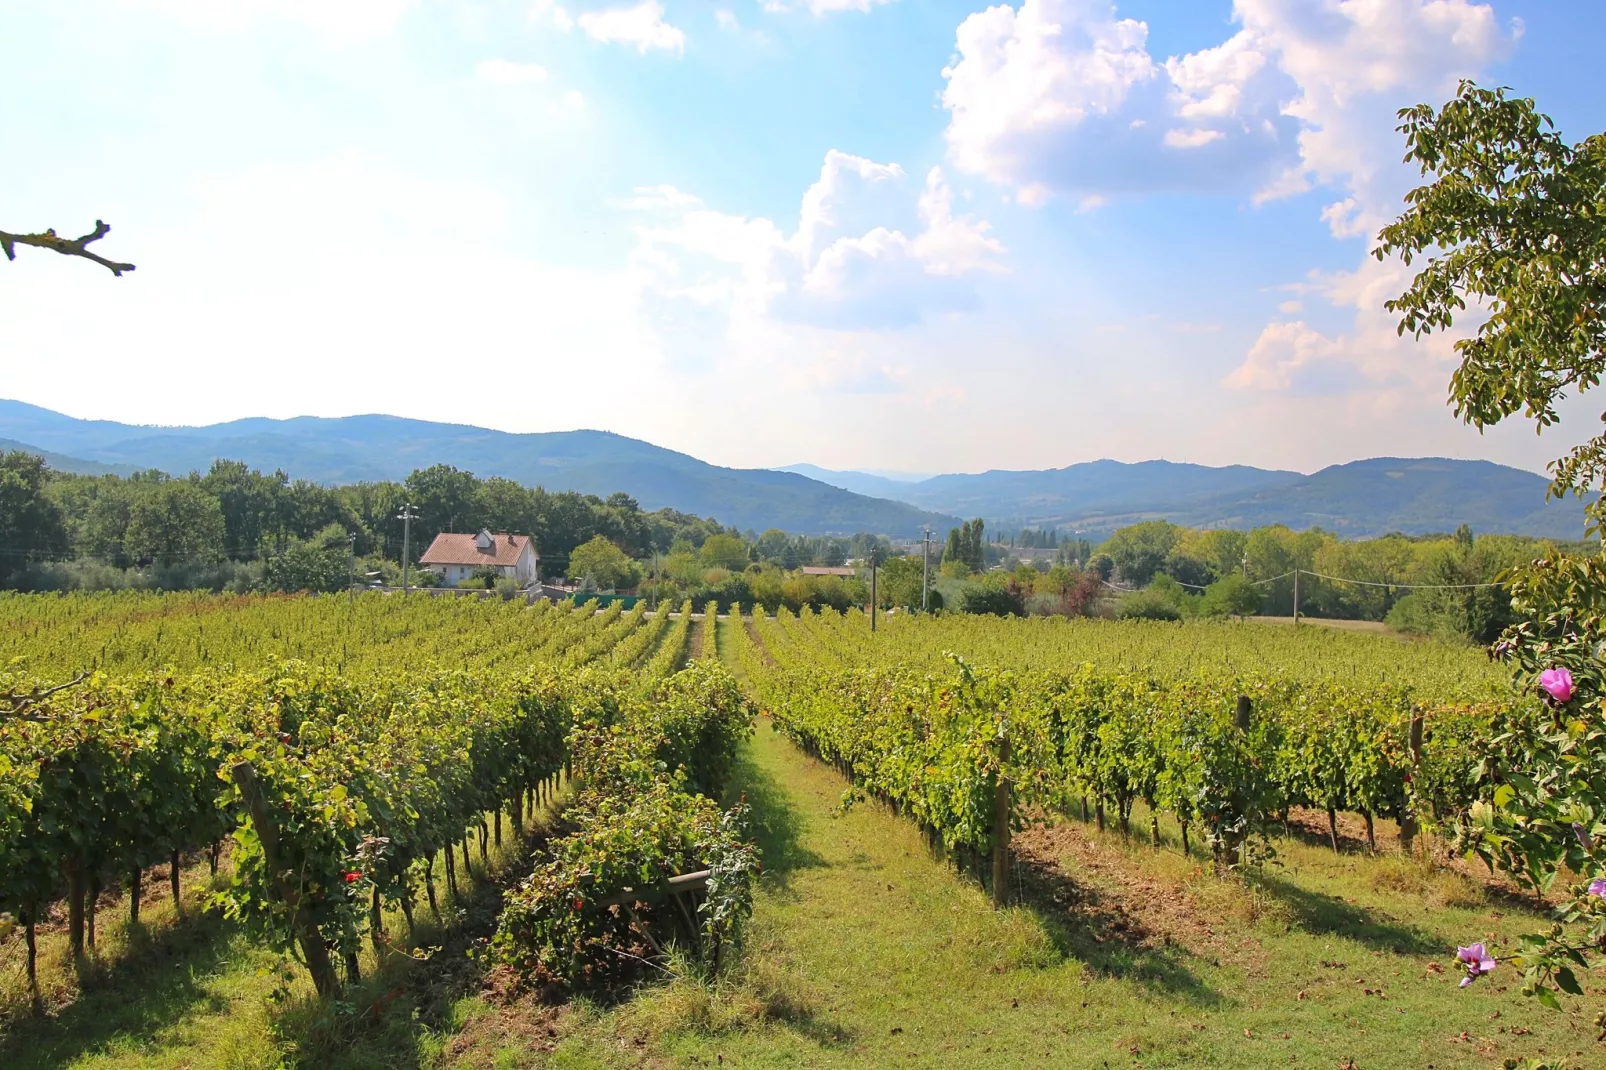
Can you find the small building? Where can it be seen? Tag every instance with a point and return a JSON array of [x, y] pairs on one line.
[[829, 570], [456, 557]]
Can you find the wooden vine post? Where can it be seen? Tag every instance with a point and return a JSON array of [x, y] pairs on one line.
[[301, 919], [1409, 826], [1229, 845], [1001, 828]]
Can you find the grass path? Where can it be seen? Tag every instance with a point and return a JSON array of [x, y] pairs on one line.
[[867, 951]]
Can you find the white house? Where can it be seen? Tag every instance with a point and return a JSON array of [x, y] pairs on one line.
[[455, 558]]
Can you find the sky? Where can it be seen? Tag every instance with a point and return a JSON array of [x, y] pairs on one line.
[[885, 234]]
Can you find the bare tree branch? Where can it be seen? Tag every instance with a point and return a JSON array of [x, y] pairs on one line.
[[65, 246], [15, 703]]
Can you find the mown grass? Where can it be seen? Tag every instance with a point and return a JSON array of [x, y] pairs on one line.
[[867, 951]]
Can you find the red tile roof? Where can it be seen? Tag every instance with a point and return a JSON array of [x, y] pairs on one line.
[[459, 549]]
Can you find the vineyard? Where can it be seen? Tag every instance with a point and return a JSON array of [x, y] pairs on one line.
[[351, 751], [339, 768], [1225, 728]]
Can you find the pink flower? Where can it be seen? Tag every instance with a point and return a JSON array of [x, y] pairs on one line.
[[1557, 683], [1598, 887], [1478, 962]]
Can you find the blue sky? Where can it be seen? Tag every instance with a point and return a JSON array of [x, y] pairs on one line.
[[890, 234]]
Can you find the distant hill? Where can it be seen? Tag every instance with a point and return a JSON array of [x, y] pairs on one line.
[[1411, 495], [876, 486], [349, 449], [75, 465], [1356, 500]]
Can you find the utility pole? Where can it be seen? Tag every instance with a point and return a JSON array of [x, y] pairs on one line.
[[1296, 596], [873, 556], [925, 572], [406, 516], [351, 567]]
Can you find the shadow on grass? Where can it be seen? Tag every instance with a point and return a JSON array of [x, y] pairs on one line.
[[775, 823], [1096, 931], [1321, 914], [155, 984]]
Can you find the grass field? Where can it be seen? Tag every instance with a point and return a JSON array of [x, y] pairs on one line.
[[865, 950]]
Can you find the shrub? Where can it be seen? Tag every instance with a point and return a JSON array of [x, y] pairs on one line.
[[1147, 605], [1232, 595], [558, 927], [997, 599]]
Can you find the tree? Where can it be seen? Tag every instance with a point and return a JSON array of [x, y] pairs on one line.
[[900, 582], [606, 565], [446, 499], [321, 563], [975, 546], [1514, 224], [31, 523], [724, 551], [1139, 550], [250, 504], [1231, 595], [998, 599], [174, 521]]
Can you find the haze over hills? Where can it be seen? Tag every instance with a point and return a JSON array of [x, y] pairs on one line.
[[1360, 499], [354, 448], [1355, 500]]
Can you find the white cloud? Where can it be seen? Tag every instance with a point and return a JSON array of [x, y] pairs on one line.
[[506, 72], [827, 272], [1190, 139], [1063, 97], [336, 18], [642, 25], [820, 8], [1352, 66], [548, 11]]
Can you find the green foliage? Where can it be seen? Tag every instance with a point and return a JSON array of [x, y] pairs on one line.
[[1513, 223], [174, 521], [1139, 551], [1148, 605], [605, 564], [31, 523], [1232, 595], [724, 551], [649, 771], [992, 597], [322, 563]]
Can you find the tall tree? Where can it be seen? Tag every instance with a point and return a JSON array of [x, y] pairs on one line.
[[250, 504], [174, 522], [445, 500], [31, 523]]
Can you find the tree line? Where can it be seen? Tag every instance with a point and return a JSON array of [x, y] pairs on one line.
[[233, 522]]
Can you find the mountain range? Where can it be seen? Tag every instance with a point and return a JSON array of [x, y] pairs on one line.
[[1361, 499], [1356, 500], [354, 448]]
